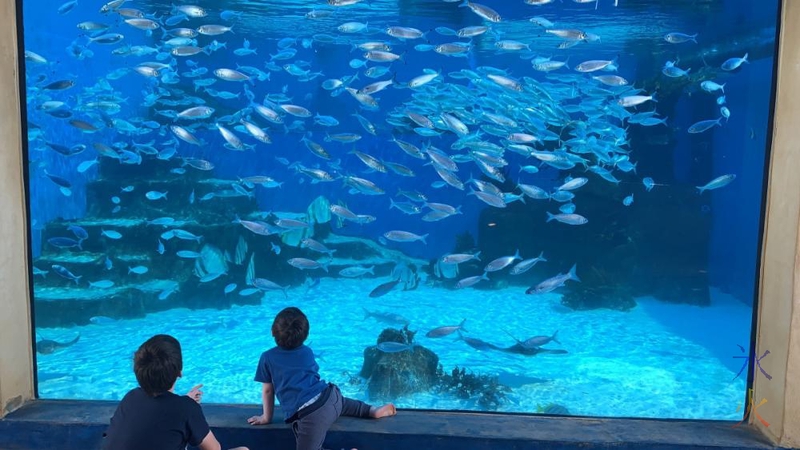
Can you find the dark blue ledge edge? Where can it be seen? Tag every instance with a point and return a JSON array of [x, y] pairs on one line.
[[56, 424]]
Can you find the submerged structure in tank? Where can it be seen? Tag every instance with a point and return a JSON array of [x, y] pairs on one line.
[[166, 241]]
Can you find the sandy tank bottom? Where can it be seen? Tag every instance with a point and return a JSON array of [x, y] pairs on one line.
[[657, 360]]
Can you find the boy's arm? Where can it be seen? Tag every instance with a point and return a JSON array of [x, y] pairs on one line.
[[268, 400], [210, 442]]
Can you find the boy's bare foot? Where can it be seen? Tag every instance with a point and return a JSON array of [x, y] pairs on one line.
[[384, 411]]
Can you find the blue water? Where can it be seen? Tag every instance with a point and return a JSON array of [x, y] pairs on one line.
[[666, 286]]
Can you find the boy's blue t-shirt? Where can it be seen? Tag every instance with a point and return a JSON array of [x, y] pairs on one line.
[[294, 375]]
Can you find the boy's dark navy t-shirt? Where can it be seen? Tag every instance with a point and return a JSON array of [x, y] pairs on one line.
[[166, 422], [294, 375]]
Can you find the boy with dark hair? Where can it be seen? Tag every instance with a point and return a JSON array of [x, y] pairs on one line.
[[152, 417], [290, 372]]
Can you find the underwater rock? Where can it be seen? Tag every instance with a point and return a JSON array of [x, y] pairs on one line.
[[657, 249], [391, 375], [583, 296], [464, 243], [486, 390]]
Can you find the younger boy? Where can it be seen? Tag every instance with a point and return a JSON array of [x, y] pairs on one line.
[[290, 372], [151, 416]]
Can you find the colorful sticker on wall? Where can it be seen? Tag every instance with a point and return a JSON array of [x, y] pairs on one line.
[[747, 360], [750, 408]]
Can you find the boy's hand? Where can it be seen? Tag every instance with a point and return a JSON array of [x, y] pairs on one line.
[[258, 420], [196, 394]]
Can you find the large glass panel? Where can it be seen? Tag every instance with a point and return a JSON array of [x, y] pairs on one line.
[[513, 206]]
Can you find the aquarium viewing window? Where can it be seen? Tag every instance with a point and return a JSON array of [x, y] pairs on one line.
[[508, 206]]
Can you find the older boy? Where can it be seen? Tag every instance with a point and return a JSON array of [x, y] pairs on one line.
[[151, 416], [290, 372]]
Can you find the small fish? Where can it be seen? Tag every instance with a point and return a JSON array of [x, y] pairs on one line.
[[307, 264], [384, 288], [710, 86], [679, 38], [102, 284], [471, 281], [704, 125], [634, 100], [276, 248], [573, 184], [483, 11], [79, 232], [502, 263], [353, 272], [65, 273], [567, 208], [628, 201], [569, 219], [526, 265], [404, 236], [717, 183], [139, 270], [230, 288], [446, 330], [111, 234], [62, 242], [155, 195], [458, 258], [394, 347], [86, 165], [188, 254], [734, 63], [555, 282]]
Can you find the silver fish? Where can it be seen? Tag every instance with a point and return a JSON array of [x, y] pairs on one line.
[[446, 330], [524, 266], [554, 283], [483, 11], [717, 183]]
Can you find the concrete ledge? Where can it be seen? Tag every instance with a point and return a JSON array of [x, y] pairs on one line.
[[46, 424]]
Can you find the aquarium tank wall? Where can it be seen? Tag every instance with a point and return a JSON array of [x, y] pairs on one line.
[[511, 206]]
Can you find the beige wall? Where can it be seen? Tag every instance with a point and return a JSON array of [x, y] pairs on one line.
[[16, 380], [779, 308]]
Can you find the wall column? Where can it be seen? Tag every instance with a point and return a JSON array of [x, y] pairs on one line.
[[779, 296], [16, 356]]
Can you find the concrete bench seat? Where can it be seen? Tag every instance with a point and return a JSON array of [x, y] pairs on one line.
[[67, 425]]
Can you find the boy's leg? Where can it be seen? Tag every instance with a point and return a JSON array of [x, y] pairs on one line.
[[355, 408], [310, 431]]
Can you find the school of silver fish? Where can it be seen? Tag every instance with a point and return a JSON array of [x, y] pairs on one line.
[[572, 119]]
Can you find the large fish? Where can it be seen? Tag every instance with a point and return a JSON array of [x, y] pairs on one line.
[[48, 346]]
